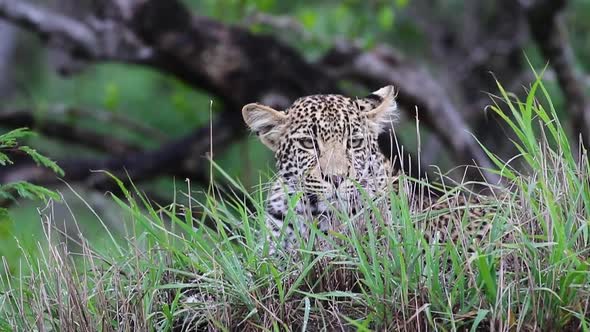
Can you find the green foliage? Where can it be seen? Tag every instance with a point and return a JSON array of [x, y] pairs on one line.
[[9, 141], [26, 190], [112, 96], [41, 160], [222, 255], [323, 21], [385, 17], [11, 191]]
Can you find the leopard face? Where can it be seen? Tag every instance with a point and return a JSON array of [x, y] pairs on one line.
[[326, 145]]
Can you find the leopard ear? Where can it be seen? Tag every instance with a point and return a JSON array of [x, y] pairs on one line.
[[265, 122], [381, 108]]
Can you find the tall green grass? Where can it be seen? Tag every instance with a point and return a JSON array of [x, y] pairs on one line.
[[212, 270]]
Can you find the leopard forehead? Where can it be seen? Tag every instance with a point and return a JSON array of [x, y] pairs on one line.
[[325, 116]]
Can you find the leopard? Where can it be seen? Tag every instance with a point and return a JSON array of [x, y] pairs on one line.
[[329, 163], [326, 148]]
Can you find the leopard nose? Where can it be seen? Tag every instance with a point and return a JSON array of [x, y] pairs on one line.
[[335, 180]]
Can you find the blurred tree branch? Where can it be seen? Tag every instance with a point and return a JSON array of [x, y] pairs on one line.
[[231, 63], [170, 158], [67, 133], [548, 30], [91, 39], [106, 117]]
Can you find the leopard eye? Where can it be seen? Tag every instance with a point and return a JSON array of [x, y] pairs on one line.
[[307, 143], [356, 143]]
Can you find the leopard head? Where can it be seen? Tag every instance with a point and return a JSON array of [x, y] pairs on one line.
[[327, 144]]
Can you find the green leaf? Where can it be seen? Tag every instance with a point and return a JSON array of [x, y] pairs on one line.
[[360, 326], [4, 160], [265, 5], [111, 96], [481, 315], [401, 3], [308, 18], [385, 17], [4, 220], [9, 140], [5, 326], [306, 313], [28, 190], [487, 275], [42, 160]]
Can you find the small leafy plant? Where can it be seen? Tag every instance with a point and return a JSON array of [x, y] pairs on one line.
[[9, 142], [10, 192]]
